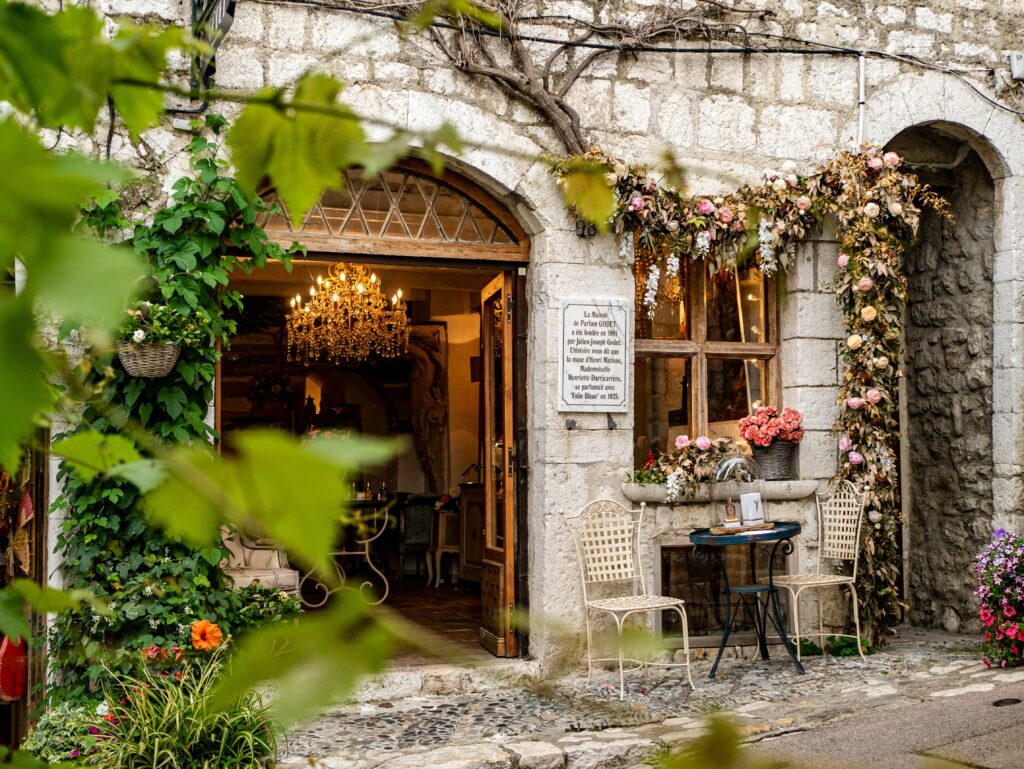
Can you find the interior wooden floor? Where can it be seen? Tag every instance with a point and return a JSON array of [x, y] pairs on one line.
[[446, 614]]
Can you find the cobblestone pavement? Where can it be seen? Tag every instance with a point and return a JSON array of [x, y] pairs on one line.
[[482, 724]]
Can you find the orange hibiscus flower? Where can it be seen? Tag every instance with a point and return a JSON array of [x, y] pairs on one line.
[[206, 635]]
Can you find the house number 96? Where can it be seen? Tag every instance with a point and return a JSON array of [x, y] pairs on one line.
[[585, 229]]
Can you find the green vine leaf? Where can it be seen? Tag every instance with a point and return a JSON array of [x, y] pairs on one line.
[[91, 453], [23, 390], [300, 152]]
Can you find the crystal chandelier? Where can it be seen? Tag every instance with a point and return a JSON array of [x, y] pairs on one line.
[[347, 317]]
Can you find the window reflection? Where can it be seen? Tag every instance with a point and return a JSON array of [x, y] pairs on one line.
[[671, 317], [662, 403], [735, 305], [735, 388]]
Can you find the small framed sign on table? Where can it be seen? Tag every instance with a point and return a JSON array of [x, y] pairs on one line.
[[594, 353]]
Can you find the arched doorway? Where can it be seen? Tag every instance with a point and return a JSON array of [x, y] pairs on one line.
[[947, 462], [459, 257]]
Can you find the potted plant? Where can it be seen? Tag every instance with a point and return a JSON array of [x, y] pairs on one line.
[[772, 437], [1000, 594], [152, 336], [682, 471]]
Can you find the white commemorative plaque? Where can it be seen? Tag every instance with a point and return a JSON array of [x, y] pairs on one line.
[[593, 363]]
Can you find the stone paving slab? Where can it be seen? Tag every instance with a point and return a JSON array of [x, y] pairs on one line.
[[575, 725]]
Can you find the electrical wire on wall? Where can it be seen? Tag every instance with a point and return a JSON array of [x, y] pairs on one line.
[[786, 45]]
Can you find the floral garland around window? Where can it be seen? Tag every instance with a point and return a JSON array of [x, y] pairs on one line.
[[878, 207]]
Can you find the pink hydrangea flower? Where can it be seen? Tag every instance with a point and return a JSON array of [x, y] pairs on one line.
[[682, 441], [855, 458], [843, 260], [636, 204], [706, 207], [703, 443]]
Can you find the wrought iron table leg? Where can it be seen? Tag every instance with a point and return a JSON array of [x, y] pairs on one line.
[[774, 606], [728, 609]]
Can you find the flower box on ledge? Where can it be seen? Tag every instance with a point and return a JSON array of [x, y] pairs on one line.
[[654, 493]]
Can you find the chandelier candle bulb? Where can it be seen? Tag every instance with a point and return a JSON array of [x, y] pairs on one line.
[[349, 321]]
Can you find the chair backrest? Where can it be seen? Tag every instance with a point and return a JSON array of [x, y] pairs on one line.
[[839, 519], [605, 534]]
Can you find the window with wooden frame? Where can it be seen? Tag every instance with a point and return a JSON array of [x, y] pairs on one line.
[[707, 357]]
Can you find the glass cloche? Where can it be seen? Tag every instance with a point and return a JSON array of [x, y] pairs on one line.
[[737, 493]]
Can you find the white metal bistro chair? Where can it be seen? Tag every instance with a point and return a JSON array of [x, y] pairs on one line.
[[606, 536], [839, 519]]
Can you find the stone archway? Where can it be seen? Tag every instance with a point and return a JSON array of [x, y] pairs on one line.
[[948, 460]]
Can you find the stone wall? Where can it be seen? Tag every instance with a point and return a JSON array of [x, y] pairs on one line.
[[949, 400], [727, 117]]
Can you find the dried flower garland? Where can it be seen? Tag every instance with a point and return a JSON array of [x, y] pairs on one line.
[[878, 208]]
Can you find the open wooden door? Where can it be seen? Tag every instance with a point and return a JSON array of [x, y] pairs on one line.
[[497, 581]]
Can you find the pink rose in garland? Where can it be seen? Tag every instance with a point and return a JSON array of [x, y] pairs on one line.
[[845, 444], [766, 424], [855, 458], [843, 260], [682, 441], [725, 215], [874, 396], [703, 443], [875, 163], [636, 204], [803, 203], [891, 159], [865, 284], [706, 207], [854, 403]]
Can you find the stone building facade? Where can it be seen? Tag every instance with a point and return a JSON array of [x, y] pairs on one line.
[[727, 116]]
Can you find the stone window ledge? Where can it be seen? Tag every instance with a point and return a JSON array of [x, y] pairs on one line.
[[776, 491]]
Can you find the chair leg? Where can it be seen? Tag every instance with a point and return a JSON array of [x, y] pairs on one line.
[[856, 621], [686, 643], [590, 653], [796, 621], [622, 675]]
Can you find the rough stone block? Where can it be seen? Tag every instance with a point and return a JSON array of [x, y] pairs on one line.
[[285, 69], [239, 67], [889, 14], [727, 72], [692, 71], [809, 362], [676, 119], [605, 754], [810, 315], [248, 23], [537, 755], [796, 132], [816, 457], [927, 18], [593, 100], [726, 123], [833, 80], [288, 27], [791, 77], [478, 756], [910, 43], [631, 108], [817, 404]]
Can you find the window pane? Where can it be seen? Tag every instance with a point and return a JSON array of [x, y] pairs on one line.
[[662, 404], [671, 317], [735, 388], [736, 306]]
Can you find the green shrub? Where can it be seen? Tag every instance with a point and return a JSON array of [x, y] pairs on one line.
[[255, 606], [62, 734], [167, 719]]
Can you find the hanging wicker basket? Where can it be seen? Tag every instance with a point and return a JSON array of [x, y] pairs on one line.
[[150, 361], [775, 460]]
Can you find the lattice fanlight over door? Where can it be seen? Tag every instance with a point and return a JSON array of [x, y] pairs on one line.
[[396, 205]]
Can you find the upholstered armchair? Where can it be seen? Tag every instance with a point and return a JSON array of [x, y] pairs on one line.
[[260, 561]]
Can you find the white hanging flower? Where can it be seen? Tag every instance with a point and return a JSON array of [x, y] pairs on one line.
[[765, 249], [138, 336], [673, 486], [651, 290], [672, 266], [154, 623], [626, 247], [188, 610], [148, 590]]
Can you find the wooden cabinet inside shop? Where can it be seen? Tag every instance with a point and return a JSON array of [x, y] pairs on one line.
[[471, 531]]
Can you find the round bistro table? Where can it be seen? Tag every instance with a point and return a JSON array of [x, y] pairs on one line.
[[781, 534]]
